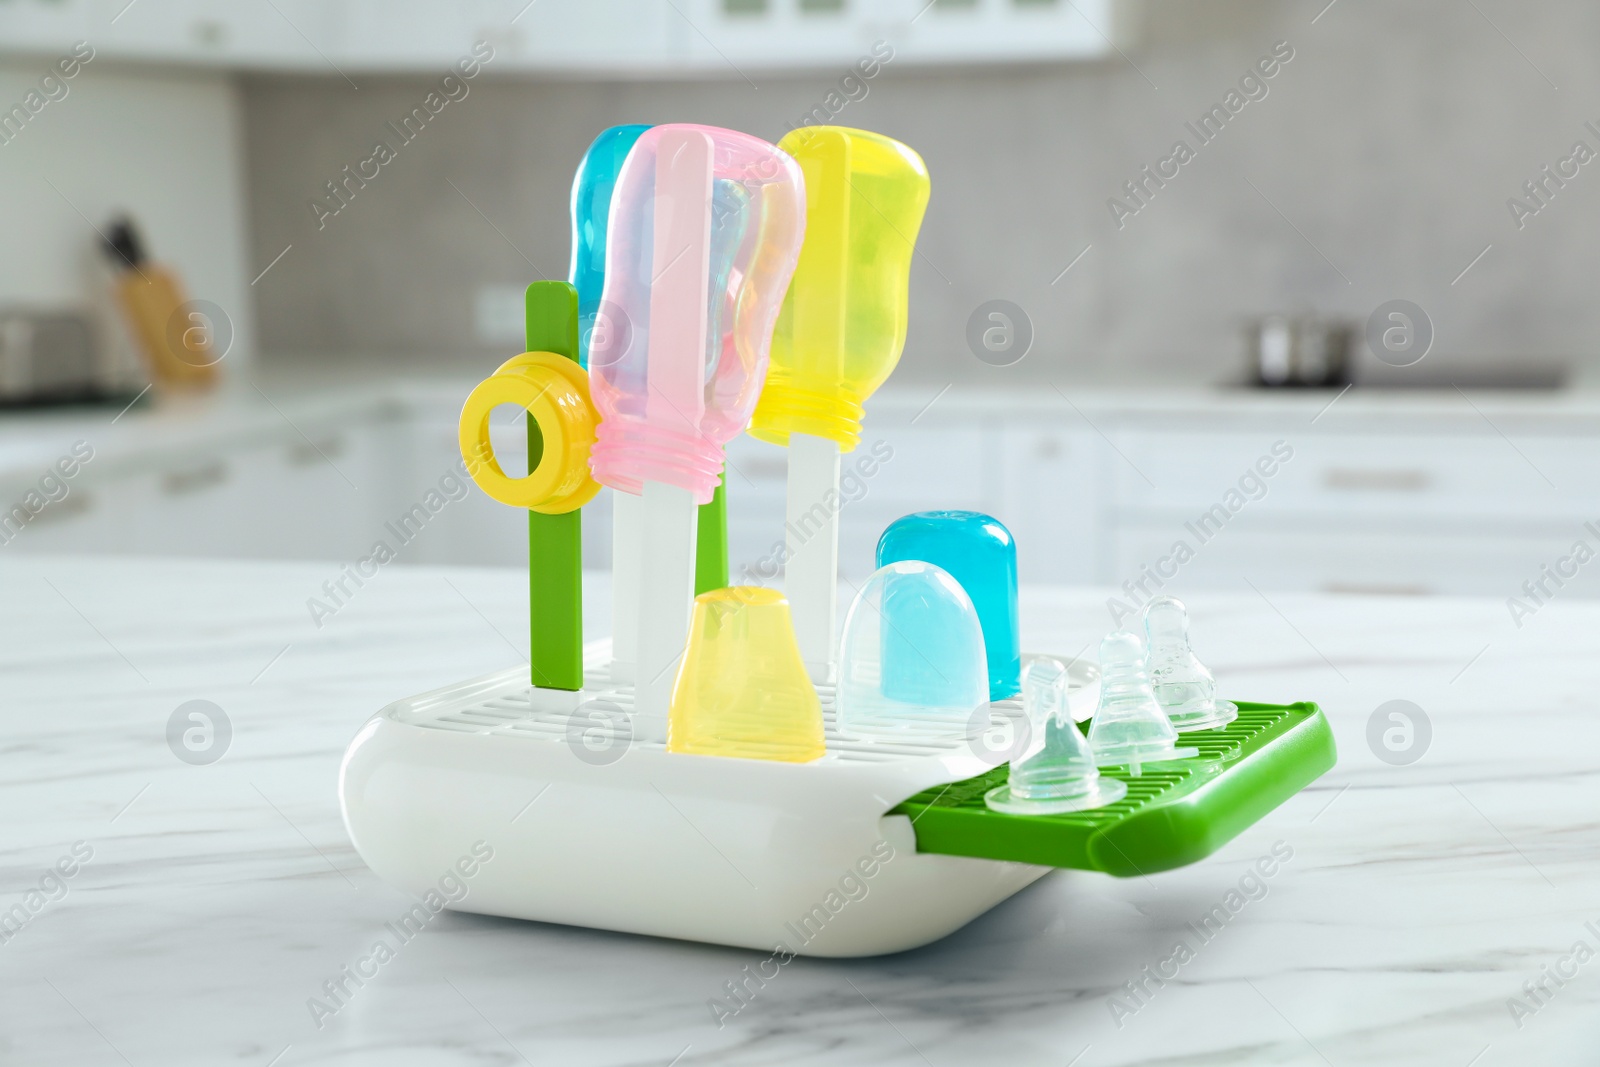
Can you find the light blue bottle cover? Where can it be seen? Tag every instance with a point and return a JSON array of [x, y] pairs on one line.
[[914, 623], [591, 209], [978, 552]]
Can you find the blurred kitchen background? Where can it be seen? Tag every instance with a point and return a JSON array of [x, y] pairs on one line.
[[342, 300]]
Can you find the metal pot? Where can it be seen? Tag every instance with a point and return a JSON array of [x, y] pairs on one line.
[[1298, 351]]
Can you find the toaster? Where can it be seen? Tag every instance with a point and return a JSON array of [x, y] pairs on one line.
[[50, 355]]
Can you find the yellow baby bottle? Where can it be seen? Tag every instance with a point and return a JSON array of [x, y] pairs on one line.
[[843, 322]]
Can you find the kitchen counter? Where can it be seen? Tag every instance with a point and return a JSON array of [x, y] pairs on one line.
[[280, 404], [208, 904]]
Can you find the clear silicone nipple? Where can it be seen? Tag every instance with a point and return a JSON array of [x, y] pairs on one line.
[[1184, 688], [1060, 773], [1129, 726]]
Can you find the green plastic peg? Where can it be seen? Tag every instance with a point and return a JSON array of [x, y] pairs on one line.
[[711, 541], [555, 542]]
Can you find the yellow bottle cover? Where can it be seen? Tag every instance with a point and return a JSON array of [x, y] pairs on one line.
[[742, 689], [843, 324], [555, 391]]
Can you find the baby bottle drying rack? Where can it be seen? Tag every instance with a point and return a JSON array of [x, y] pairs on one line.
[[550, 787], [591, 828]]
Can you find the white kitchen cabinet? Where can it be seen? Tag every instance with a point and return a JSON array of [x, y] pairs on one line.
[[1351, 477], [45, 26], [181, 506], [896, 470], [421, 33], [319, 491], [330, 490], [1051, 487], [756, 473], [616, 38], [475, 529], [296, 35], [293, 34], [725, 35], [1299, 559], [937, 463], [1413, 503], [624, 38], [1424, 509], [99, 515]]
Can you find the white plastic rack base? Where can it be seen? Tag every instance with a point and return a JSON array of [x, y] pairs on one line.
[[591, 828]]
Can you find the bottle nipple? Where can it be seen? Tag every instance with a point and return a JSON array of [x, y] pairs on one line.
[[1186, 691], [1130, 728], [1060, 773]]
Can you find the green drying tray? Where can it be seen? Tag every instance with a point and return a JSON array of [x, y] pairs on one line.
[[1174, 814]]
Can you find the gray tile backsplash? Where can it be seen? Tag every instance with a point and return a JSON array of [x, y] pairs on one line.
[[1375, 163]]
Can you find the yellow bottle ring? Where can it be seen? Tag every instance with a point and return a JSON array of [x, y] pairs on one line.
[[555, 391]]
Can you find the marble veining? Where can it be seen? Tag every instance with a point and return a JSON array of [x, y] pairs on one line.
[[218, 899]]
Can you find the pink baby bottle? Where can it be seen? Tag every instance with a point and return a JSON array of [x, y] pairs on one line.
[[704, 233]]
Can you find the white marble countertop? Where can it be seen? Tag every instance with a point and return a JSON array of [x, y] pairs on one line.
[[216, 900]]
